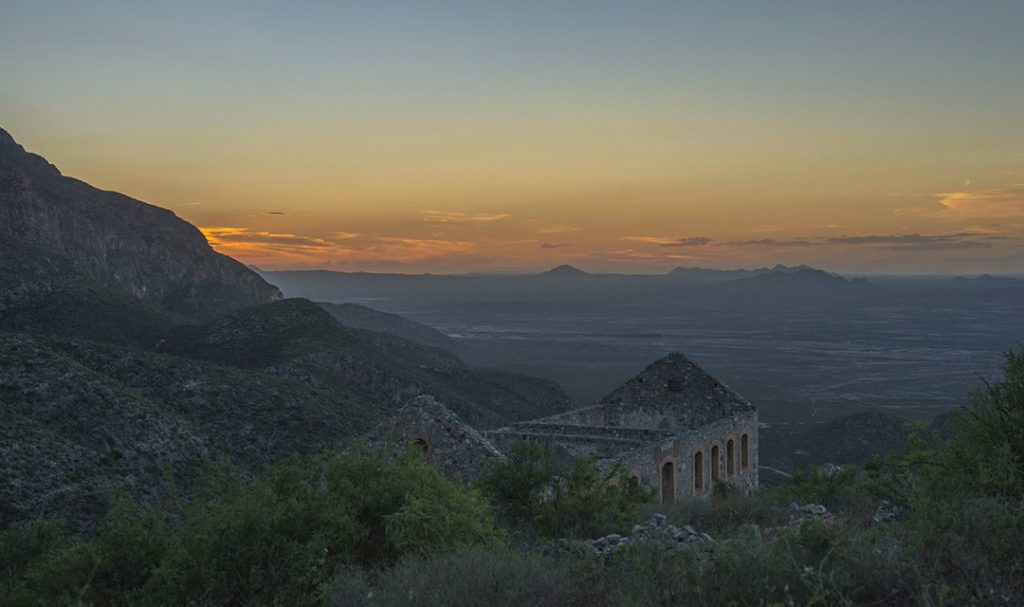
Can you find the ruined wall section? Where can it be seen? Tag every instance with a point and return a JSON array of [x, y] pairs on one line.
[[647, 463], [601, 442], [425, 428]]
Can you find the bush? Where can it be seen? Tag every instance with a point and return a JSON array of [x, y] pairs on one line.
[[583, 501], [472, 577], [274, 540]]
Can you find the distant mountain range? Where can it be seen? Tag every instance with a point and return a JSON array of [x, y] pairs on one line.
[[130, 349], [565, 283], [989, 280]]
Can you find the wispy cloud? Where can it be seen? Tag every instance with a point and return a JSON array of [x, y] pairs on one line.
[[454, 217], [658, 240], [962, 240], [773, 242], [549, 245], [557, 229], [999, 202], [695, 241], [222, 235], [297, 250]]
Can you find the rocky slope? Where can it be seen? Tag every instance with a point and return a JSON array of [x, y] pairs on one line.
[[356, 316], [84, 421], [850, 439], [298, 339], [131, 354], [133, 246]]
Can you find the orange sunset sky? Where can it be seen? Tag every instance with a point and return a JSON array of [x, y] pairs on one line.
[[461, 137]]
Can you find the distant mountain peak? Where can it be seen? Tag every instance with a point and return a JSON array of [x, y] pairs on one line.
[[564, 270]]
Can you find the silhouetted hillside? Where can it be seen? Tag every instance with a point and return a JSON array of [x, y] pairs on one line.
[[564, 271], [132, 353], [356, 316], [121, 242]]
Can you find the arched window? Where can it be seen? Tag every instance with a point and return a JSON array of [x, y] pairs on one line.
[[744, 452], [730, 458], [715, 462], [420, 447], [633, 482], [668, 482], [698, 472]]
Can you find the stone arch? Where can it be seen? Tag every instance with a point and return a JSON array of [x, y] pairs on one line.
[[421, 446], [698, 472], [744, 452], [668, 481], [633, 481], [730, 458], [716, 463]]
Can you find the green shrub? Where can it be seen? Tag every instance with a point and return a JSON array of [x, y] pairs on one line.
[[472, 577], [273, 540], [581, 500]]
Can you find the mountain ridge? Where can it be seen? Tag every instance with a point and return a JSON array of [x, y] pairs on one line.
[[130, 349], [128, 244]]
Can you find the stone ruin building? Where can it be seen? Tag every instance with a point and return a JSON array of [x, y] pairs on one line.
[[675, 428]]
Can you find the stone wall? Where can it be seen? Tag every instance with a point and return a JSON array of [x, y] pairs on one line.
[[427, 429], [599, 441], [647, 463]]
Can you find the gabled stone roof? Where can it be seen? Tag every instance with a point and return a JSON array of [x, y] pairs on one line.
[[455, 448], [671, 393]]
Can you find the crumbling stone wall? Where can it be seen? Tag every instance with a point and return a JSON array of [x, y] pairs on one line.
[[646, 462], [599, 441], [427, 429]]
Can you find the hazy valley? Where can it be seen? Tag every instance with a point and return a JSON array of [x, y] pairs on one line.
[[805, 349]]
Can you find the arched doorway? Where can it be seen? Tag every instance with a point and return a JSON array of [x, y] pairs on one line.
[[698, 472], [715, 460], [668, 482]]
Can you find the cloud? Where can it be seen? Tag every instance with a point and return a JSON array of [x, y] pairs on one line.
[[297, 250], [962, 240], [548, 245], [658, 240], [772, 242], [695, 241], [661, 241], [471, 218], [275, 212], [999, 202], [221, 235], [557, 229]]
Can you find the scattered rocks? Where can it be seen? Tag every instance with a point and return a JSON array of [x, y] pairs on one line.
[[656, 531], [807, 512], [885, 512], [830, 470]]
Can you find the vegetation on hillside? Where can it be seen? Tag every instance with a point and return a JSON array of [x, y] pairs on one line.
[[357, 530]]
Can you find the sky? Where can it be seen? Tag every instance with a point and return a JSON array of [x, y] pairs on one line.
[[635, 136]]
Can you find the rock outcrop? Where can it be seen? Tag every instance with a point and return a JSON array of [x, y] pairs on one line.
[[133, 246]]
